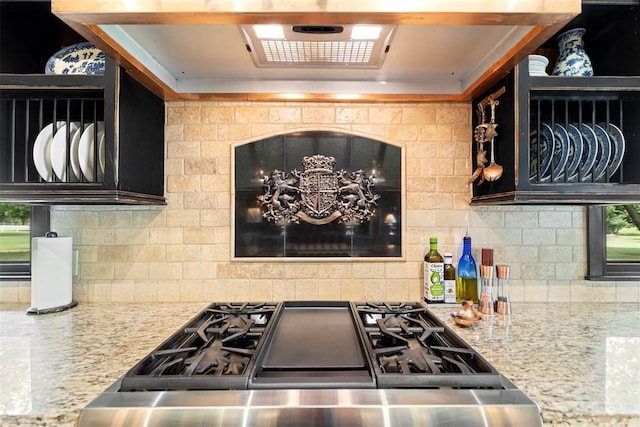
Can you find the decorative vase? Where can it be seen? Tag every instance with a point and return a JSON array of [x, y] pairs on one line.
[[573, 60], [538, 65]]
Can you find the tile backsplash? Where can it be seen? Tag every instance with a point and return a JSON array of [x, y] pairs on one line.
[[182, 251]]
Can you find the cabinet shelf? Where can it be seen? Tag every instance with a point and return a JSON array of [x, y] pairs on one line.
[[73, 139], [521, 116], [592, 84], [29, 81], [545, 121], [75, 194]]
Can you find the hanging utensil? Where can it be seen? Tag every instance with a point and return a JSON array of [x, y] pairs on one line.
[[494, 170], [480, 132], [481, 159], [480, 137]]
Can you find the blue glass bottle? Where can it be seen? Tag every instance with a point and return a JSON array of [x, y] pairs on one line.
[[467, 275]]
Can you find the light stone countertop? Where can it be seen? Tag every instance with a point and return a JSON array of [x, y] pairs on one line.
[[579, 362]]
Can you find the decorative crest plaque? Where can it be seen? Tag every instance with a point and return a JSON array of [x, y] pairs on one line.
[[318, 195]]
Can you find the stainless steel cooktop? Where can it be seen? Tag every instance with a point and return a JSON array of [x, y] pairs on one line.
[[313, 363]]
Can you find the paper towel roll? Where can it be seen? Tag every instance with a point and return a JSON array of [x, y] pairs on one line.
[[51, 273]]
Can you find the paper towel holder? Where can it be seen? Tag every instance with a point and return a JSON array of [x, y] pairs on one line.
[[51, 274]]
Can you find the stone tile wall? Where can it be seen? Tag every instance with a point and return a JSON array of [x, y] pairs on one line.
[[182, 252]]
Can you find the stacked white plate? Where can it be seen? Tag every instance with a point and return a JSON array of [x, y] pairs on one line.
[[53, 149], [86, 150], [42, 151]]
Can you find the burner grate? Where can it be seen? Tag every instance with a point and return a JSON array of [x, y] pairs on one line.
[[410, 347], [214, 350]]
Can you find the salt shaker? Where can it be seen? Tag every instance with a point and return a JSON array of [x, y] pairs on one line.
[[503, 302], [485, 305]]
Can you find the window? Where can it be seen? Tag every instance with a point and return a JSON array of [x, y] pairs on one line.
[[18, 224], [613, 234]]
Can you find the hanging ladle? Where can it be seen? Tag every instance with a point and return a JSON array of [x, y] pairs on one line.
[[494, 170]]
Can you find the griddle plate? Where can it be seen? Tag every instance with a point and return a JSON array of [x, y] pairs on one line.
[[315, 338]]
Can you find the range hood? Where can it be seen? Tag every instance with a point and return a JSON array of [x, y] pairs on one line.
[[345, 47], [436, 51]]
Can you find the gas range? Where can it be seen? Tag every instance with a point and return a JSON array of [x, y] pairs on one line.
[[242, 362]]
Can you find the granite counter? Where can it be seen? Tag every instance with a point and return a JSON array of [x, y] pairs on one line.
[[579, 362]]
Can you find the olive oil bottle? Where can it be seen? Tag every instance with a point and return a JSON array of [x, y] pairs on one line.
[[433, 273], [449, 278], [467, 280]]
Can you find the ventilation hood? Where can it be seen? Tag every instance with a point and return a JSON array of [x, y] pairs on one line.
[[429, 50], [318, 46]]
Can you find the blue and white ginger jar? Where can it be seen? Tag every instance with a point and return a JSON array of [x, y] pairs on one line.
[[573, 60]]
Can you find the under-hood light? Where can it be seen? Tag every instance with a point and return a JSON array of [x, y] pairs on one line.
[[269, 31], [366, 32]]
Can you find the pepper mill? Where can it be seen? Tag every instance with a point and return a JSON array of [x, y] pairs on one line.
[[503, 302], [485, 305]]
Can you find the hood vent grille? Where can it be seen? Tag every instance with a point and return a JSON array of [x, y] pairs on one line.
[[317, 29], [310, 52], [318, 46]]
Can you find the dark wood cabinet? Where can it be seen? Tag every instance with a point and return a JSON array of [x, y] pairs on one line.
[[572, 140], [120, 158]]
